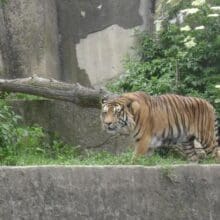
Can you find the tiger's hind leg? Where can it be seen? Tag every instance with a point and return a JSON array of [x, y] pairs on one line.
[[216, 153], [193, 150], [199, 149], [189, 151]]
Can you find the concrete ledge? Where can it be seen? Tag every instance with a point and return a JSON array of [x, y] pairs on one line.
[[110, 192]]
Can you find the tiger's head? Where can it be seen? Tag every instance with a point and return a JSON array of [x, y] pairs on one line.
[[116, 115]]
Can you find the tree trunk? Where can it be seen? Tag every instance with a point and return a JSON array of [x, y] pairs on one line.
[[51, 88]]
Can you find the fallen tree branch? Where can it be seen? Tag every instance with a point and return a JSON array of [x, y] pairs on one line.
[[51, 88]]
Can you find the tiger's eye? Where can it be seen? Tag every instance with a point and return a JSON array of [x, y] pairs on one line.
[[117, 109], [105, 108]]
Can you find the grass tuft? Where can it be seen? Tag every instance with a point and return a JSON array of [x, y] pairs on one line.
[[74, 157]]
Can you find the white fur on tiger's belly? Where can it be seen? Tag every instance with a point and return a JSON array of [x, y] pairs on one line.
[[155, 142]]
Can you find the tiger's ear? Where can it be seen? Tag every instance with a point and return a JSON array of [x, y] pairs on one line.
[[104, 99], [128, 104], [134, 106]]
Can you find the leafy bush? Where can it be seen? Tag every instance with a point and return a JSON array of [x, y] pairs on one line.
[[182, 57], [8, 130]]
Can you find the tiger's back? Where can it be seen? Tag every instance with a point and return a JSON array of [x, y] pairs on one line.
[[175, 118]]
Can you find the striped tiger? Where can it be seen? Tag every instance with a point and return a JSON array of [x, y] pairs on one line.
[[186, 123]]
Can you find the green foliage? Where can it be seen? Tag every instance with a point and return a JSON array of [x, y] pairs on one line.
[[8, 130], [17, 142], [19, 96], [2, 2], [181, 58], [33, 144], [75, 157]]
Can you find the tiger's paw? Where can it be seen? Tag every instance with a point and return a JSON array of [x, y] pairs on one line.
[[133, 160], [217, 155], [193, 159]]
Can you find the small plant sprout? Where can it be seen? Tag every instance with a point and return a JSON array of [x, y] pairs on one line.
[[189, 42], [200, 27], [158, 24], [189, 11], [215, 8], [198, 2], [185, 28], [213, 15]]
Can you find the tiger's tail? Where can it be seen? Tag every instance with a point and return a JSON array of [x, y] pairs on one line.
[[217, 130], [217, 134]]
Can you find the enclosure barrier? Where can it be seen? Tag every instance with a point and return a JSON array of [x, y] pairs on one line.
[[110, 192]]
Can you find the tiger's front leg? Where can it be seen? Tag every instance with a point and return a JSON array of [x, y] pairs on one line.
[[141, 148]]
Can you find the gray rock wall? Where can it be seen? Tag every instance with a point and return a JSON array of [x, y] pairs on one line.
[[29, 39], [96, 35], [70, 40], [188, 192]]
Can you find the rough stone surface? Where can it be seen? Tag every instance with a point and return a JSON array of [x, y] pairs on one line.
[[29, 38], [188, 192], [87, 41], [101, 53], [75, 125], [70, 40]]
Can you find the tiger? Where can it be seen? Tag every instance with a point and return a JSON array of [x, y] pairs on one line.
[[186, 123]]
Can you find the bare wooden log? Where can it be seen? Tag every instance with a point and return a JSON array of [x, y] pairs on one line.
[[51, 88]]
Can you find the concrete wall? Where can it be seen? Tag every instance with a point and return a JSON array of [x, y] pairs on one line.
[[70, 40], [113, 192]]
